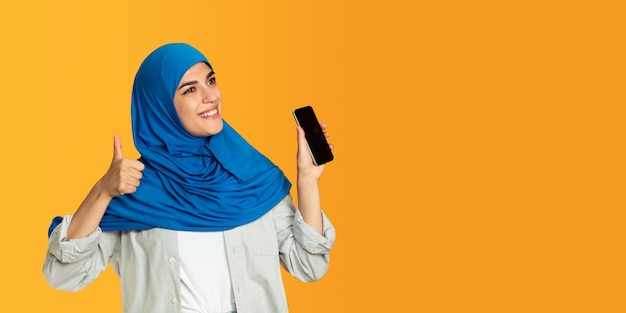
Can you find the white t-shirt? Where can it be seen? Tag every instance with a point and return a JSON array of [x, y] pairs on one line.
[[204, 273]]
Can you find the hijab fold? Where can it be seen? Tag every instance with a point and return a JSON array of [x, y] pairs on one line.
[[189, 183]]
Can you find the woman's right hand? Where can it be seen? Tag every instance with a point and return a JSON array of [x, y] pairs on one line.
[[123, 176]]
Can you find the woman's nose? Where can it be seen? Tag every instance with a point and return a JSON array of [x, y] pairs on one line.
[[208, 94]]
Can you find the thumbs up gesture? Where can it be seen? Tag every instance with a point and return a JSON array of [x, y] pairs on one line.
[[123, 175]]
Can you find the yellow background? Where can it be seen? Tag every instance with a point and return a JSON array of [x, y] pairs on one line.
[[479, 144]]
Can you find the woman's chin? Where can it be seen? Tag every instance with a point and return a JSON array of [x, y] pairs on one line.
[[216, 127]]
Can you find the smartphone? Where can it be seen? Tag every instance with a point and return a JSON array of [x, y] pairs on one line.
[[318, 146]]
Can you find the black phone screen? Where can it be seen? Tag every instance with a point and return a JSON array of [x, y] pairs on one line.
[[320, 151]]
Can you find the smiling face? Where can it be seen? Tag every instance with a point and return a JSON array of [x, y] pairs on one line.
[[198, 101]]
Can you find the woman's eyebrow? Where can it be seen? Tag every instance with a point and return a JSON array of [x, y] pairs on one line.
[[193, 82]]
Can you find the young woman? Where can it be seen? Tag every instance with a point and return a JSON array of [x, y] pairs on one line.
[[201, 222]]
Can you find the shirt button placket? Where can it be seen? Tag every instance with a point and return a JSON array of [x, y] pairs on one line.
[[172, 260]]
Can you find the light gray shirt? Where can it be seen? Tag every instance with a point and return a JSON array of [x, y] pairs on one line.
[[146, 261]]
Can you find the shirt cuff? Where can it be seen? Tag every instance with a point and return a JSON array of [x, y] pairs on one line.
[[67, 251], [310, 239]]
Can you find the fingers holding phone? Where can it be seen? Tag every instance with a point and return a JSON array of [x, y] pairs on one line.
[[314, 135]]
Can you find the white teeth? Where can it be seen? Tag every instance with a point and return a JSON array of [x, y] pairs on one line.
[[209, 113]]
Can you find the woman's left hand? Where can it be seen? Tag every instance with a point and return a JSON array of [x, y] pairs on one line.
[[306, 167]]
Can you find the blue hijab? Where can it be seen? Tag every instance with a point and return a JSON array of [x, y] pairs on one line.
[[189, 183]]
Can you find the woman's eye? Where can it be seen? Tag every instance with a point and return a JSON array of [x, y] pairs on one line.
[[211, 81], [191, 89]]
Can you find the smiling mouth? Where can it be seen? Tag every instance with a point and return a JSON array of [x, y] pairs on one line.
[[208, 114]]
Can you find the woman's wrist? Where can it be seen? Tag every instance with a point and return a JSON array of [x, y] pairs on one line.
[[307, 180]]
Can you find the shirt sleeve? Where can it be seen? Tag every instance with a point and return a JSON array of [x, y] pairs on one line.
[[73, 264], [310, 239], [304, 253]]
